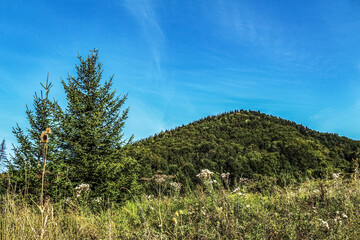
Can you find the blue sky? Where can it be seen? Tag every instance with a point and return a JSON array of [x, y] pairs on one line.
[[183, 60]]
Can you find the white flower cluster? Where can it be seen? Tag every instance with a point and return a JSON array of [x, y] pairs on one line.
[[339, 217], [97, 200], [204, 174], [237, 191], [149, 197], [82, 188], [161, 178], [225, 176], [176, 185], [336, 175], [324, 223], [210, 181]]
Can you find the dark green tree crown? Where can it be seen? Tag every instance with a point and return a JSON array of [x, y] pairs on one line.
[[91, 127]]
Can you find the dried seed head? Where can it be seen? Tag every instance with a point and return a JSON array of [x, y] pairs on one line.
[[145, 179], [44, 137]]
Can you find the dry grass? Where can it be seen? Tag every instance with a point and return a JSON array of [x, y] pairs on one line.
[[326, 209]]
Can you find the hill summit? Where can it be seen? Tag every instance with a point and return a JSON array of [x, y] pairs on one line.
[[246, 144]]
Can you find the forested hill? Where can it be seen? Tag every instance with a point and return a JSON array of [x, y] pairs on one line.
[[246, 144]]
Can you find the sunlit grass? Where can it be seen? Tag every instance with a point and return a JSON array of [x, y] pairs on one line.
[[316, 209]]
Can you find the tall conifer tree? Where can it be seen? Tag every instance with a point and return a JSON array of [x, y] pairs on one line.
[[91, 132]]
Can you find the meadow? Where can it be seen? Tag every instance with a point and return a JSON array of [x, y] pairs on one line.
[[315, 209]]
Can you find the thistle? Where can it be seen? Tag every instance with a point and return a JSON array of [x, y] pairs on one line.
[[44, 137]]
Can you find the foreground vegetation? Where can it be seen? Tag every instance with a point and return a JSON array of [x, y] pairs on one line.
[[316, 209]]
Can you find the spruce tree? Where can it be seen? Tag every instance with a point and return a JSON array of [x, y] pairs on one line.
[[91, 132], [26, 162]]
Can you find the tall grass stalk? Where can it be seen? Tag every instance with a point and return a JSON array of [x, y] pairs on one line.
[[45, 140]]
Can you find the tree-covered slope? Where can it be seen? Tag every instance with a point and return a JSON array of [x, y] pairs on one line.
[[246, 144]]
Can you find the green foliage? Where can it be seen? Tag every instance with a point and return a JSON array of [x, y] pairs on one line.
[[246, 144], [90, 133], [25, 164]]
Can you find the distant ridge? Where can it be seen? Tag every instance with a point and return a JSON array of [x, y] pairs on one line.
[[246, 144]]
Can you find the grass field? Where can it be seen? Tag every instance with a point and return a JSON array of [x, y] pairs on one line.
[[316, 209]]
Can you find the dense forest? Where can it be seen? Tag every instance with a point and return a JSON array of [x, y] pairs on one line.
[[247, 144]]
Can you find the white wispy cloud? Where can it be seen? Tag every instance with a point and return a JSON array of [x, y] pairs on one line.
[[243, 24], [145, 14], [344, 120], [158, 84]]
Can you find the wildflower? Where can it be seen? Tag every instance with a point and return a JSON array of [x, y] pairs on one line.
[[344, 215], [176, 214], [210, 182], [204, 174], [336, 175], [82, 188], [176, 185], [180, 212], [236, 190], [248, 206], [174, 221], [48, 130], [149, 197], [324, 223], [160, 178], [97, 200], [225, 176]]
